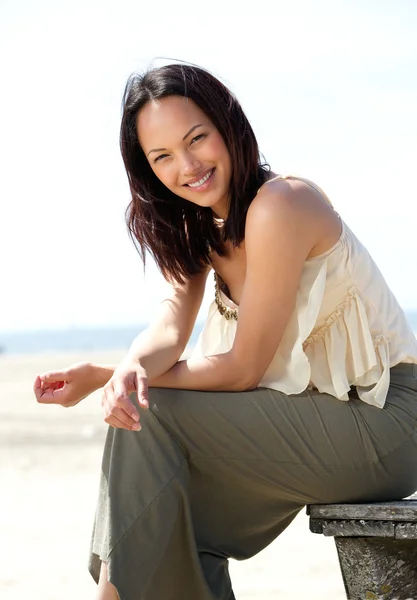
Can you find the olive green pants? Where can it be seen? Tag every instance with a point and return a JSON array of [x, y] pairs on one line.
[[214, 475]]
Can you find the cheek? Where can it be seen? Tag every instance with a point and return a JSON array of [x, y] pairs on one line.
[[220, 151], [164, 174], [217, 146]]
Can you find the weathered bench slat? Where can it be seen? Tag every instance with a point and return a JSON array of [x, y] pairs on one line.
[[376, 544], [404, 510], [353, 528], [406, 531]]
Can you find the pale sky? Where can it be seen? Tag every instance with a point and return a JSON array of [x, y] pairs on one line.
[[329, 86]]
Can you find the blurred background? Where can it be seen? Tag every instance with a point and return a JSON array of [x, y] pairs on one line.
[[330, 88]]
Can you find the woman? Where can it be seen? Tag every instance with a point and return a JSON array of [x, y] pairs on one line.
[[303, 385]]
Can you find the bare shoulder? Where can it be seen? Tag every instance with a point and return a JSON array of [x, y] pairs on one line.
[[296, 209], [288, 196]]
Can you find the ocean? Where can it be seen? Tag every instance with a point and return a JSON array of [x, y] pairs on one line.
[[83, 338], [74, 339]]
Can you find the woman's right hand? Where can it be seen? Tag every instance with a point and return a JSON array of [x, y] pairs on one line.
[[68, 386], [119, 411]]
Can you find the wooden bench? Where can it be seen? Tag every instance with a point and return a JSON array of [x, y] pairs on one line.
[[376, 545]]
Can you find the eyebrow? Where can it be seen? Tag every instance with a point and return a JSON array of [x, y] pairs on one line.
[[183, 139]]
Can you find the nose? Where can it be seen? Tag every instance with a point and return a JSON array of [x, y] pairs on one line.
[[190, 164]]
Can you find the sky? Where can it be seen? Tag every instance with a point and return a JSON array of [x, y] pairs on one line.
[[330, 88]]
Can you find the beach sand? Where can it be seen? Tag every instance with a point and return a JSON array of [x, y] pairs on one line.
[[50, 463]]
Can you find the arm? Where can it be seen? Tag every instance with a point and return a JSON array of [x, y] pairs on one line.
[[160, 346], [283, 227], [154, 351]]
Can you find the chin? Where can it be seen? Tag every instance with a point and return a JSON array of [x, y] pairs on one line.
[[203, 202], [208, 204]]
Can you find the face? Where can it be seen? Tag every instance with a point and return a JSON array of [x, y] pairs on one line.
[[186, 152]]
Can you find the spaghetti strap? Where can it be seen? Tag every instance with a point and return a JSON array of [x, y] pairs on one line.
[[307, 181]]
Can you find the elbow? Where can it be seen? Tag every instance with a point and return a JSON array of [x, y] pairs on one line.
[[251, 384], [244, 385], [245, 375], [246, 381]]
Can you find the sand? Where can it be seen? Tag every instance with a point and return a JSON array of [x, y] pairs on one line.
[[50, 464]]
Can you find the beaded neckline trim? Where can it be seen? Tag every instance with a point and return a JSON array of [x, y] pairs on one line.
[[228, 313]]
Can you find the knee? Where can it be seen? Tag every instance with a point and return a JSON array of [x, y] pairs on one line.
[[169, 404], [165, 404]]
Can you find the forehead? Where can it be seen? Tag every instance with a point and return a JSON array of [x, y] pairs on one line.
[[167, 119]]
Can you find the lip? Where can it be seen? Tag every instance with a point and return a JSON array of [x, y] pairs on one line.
[[200, 176]]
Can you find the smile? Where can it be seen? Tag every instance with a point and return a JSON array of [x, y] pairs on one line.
[[202, 181]]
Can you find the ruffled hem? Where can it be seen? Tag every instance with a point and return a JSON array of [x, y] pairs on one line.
[[345, 339], [320, 333], [342, 352]]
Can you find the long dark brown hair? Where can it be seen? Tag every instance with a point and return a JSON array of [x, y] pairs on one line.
[[179, 234]]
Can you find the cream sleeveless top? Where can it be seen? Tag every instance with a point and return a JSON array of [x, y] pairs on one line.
[[347, 328]]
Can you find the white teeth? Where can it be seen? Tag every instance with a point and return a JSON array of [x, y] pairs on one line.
[[202, 180]]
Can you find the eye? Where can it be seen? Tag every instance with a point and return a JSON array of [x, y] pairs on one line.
[[160, 156], [198, 137]]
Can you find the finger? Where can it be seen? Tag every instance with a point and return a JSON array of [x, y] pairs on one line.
[[52, 376], [63, 396], [53, 385], [143, 392], [37, 388], [121, 397], [113, 421], [56, 385], [122, 416], [37, 384], [50, 395], [43, 394]]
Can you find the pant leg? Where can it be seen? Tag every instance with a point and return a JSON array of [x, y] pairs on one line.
[[143, 527], [214, 475]]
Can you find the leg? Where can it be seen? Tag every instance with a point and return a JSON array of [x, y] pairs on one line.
[[143, 528], [256, 458], [382, 568], [219, 475], [105, 589]]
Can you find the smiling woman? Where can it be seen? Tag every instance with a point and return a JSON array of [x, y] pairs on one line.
[[187, 164], [302, 387], [180, 125]]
